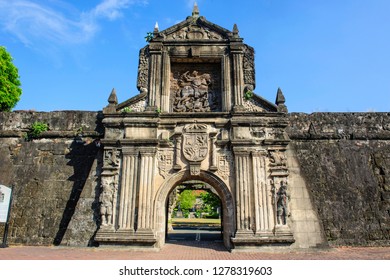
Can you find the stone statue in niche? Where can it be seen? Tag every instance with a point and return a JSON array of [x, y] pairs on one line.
[[106, 200], [192, 92], [281, 204]]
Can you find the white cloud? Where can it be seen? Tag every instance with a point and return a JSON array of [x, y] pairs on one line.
[[110, 9], [30, 20]]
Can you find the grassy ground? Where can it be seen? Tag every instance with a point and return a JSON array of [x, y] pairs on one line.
[[195, 222]]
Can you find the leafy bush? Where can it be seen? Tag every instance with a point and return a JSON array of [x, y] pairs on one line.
[[36, 130], [248, 95]]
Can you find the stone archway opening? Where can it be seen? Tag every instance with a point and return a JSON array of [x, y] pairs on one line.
[[194, 213], [211, 181]]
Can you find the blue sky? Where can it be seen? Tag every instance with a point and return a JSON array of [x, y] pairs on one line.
[[326, 55]]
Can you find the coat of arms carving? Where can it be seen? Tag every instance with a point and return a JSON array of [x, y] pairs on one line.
[[195, 142], [165, 162]]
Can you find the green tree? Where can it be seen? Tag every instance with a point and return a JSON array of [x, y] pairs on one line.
[[187, 199], [210, 199], [10, 90]]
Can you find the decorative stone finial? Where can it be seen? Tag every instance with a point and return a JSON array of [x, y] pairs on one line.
[[156, 27], [195, 10], [280, 100], [113, 100], [235, 30]]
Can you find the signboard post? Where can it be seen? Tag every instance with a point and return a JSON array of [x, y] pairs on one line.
[[5, 209]]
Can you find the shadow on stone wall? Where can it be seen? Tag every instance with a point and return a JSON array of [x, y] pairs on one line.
[[84, 195]]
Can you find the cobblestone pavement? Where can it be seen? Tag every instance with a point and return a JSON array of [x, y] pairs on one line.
[[189, 250]]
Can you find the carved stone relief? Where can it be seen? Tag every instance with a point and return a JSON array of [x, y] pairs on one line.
[[224, 164], [195, 146], [275, 133], [195, 142], [143, 69], [258, 132], [111, 158], [281, 204], [195, 89], [249, 66], [194, 32], [277, 158], [281, 197], [164, 162], [109, 187]]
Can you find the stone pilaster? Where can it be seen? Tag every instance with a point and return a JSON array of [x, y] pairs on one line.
[[227, 91], [238, 76], [146, 183], [166, 74], [155, 51], [128, 192], [243, 191], [213, 153], [263, 199], [177, 165]]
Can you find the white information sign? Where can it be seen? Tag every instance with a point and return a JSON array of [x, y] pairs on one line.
[[5, 199]]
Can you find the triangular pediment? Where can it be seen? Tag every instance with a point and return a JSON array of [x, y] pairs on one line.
[[195, 29]]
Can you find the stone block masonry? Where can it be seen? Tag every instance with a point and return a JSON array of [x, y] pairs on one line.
[[54, 177], [345, 159], [339, 164]]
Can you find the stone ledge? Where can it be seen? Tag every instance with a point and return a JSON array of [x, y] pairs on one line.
[[48, 134], [106, 237], [248, 242]]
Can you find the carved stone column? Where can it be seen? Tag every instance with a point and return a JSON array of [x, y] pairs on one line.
[[177, 165], [238, 77], [243, 192], [166, 73], [263, 198], [128, 192], [213, 154], [146, 183], [227, 91], [155, 51]]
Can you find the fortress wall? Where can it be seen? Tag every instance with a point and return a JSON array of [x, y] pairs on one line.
[[344, 159], [54, 177]]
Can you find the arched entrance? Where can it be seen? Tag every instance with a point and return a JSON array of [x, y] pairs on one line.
[[194, 213], [220, 187]]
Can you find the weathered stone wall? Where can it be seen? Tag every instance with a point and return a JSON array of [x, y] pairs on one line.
[[345, 160], [54, 177]]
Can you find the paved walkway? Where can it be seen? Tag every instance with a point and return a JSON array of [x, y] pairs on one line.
[[189, 250]]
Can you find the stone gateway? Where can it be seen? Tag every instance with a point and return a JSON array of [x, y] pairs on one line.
[[284, 180], [197, 118]]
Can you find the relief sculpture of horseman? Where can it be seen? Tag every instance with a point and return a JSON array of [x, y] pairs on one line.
[[193, 94]]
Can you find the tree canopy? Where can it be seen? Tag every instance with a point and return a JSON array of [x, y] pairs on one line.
[[187, 199], [10, 90]]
